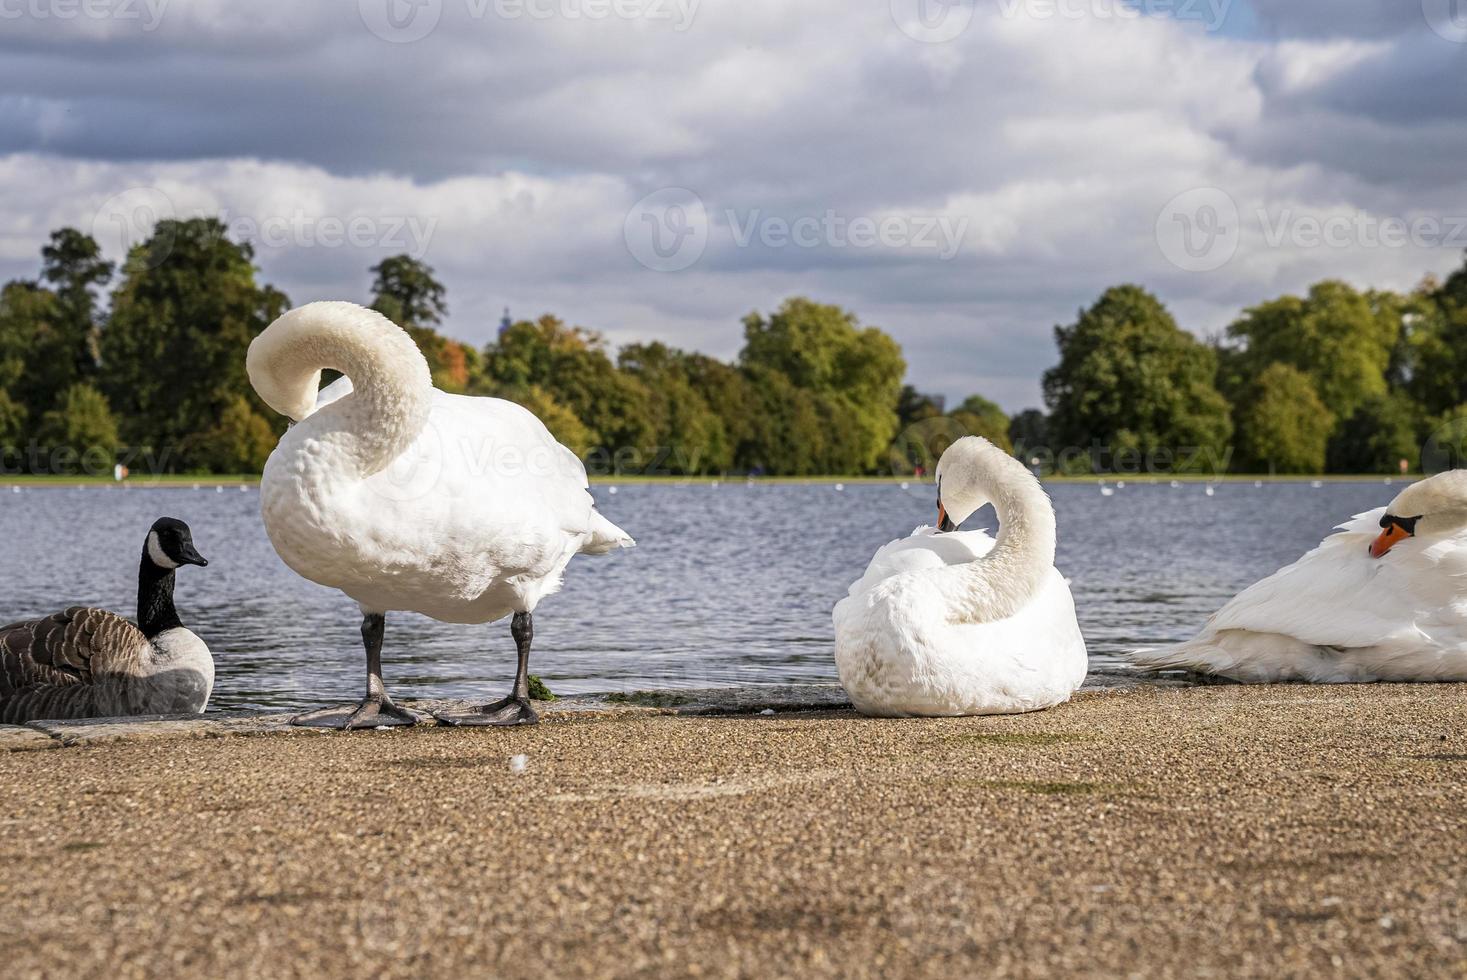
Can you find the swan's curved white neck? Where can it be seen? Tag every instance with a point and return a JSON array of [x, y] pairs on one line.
[[392, 385], [1002, 582]]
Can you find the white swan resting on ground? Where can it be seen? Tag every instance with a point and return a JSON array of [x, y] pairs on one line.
[[90, 663], [407, 498], [949, 622], [1383, 599]]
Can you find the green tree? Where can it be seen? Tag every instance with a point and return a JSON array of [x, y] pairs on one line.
[[241, 442], [1283, 426], [1382, 432], [685, 429], [913, 407], [1130, 380], [1342, 339], [33, 376], [1431, 360], [571, 364], [1029, 431], [407, 292], [174, 347], [981, 417], [823, 350], [80, 434], [72, 263]]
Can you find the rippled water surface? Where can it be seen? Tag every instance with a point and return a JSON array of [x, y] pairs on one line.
[[730, 583]]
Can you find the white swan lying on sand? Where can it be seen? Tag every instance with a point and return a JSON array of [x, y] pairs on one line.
[[957, 623], [1381, 600]]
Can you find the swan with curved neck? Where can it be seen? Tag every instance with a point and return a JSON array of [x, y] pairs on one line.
[[947, 622], [407, 498]]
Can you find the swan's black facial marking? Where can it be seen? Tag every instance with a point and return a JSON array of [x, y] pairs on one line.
[[944, 523], [1394, 530], [1407, 524]]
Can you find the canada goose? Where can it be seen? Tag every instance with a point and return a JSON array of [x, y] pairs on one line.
[[948, 622], [404, 497], [90, 663]]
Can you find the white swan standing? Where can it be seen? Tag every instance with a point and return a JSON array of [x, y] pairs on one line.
[[407, 498], [957, 623], [1383, 599]]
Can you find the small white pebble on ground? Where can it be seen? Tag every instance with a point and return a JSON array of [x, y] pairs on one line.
[[767, 711], [519, 763]]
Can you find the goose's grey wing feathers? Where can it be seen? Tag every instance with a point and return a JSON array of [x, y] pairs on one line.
[[63, 665]]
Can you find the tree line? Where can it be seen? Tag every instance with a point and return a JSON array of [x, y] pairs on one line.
[[144, 365]]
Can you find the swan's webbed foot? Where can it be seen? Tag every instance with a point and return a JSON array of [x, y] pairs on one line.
[[500, 714], [370, 713]]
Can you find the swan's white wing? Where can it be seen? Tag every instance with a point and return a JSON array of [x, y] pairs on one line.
[[1338, 595], [1339, 614], [923, 548]]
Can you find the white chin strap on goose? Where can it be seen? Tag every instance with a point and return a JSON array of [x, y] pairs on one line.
[[156, 554]]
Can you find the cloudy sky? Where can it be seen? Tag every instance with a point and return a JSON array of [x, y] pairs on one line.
[[963, 174]]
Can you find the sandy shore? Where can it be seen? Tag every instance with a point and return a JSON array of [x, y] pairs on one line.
[[1187, 832]]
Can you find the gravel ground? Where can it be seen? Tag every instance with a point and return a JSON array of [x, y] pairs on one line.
[[1224, 831]]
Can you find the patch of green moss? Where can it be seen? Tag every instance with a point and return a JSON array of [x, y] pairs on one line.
[[649, 699], [1016, 739], [538, 690]]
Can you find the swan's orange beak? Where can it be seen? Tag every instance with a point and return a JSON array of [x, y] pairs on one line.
[[943, 524], [1392, 535]]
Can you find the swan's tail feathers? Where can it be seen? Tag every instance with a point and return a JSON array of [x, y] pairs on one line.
[[1192, 656], [606, 537]]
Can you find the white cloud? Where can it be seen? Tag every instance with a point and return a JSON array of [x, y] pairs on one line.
[[518, 144]]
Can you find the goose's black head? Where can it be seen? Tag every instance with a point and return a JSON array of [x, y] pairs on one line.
[[171, 545]]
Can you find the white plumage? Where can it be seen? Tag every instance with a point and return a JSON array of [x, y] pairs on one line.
[[956, 623], [407, 498], [1340, 614]]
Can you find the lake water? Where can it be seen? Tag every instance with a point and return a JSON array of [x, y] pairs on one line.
[[730, 584]]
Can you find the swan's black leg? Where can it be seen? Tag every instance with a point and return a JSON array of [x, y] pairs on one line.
[[376, 709], [515, 709]]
